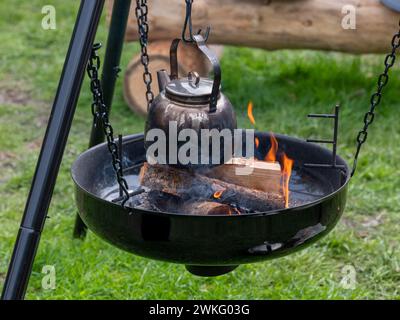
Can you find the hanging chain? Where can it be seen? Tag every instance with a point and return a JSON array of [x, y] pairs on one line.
[[143, 29], [376, 98], [100, 114]]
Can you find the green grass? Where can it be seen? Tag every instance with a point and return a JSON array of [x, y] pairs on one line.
[[284, 86]]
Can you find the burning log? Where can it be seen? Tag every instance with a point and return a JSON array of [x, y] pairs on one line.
[[205, 208], [156, 200], [264, 176], [190, 186]]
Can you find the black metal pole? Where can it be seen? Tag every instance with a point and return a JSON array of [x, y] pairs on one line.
[[52, 150], [115, 42]]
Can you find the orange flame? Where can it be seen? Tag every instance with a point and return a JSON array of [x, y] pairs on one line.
[[286, 162], [271, 155], [218, 194], [287, 166], [250, 112]]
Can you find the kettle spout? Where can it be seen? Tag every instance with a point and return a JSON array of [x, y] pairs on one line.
[[163, 79]]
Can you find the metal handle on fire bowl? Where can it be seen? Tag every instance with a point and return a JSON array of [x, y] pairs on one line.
[[201, 44]]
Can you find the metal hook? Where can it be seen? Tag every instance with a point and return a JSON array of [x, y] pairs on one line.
[[188, 22]]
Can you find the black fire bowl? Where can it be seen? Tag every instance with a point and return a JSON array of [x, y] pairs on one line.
[[208, 245]]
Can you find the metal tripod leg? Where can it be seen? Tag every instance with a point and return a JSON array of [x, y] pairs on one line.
[[115, 42], [52, 150]]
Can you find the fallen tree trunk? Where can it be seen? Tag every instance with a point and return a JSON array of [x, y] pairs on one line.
[[192, 186], [308, 24]]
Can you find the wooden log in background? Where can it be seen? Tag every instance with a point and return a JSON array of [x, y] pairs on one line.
[[283, 24], [268, 24]]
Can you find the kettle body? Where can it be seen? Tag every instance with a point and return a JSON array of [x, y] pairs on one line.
[[193, 117]]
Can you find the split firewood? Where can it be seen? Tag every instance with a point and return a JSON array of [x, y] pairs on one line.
[[260, 175], [190, 185]]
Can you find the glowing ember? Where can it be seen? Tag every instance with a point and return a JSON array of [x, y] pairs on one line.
[[250, 112], [257, 142], [271, 155], [287, 166], [218, 194]]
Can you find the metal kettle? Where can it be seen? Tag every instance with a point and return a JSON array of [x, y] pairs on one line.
[[190, 103]]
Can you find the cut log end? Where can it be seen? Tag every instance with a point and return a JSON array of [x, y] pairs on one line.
[[250, 173]]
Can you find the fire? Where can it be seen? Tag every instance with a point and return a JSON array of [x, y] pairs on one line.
[[285, 161], [271, 155], [257, 142], [250, 112], [218, 194], [287, 166]]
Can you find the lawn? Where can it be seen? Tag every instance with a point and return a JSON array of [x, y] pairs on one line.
[[284, 86]]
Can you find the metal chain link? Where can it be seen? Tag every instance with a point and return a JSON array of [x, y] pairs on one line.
[[376, 98], [188, 24], [100, 114], [141, 12]]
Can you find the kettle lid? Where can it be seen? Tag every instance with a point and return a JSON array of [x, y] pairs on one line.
[[192, 89]]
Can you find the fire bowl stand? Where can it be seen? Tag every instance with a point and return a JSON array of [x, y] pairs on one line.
[[57, 131]]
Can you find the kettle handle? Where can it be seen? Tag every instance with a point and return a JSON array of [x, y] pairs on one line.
[[201, 45]]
